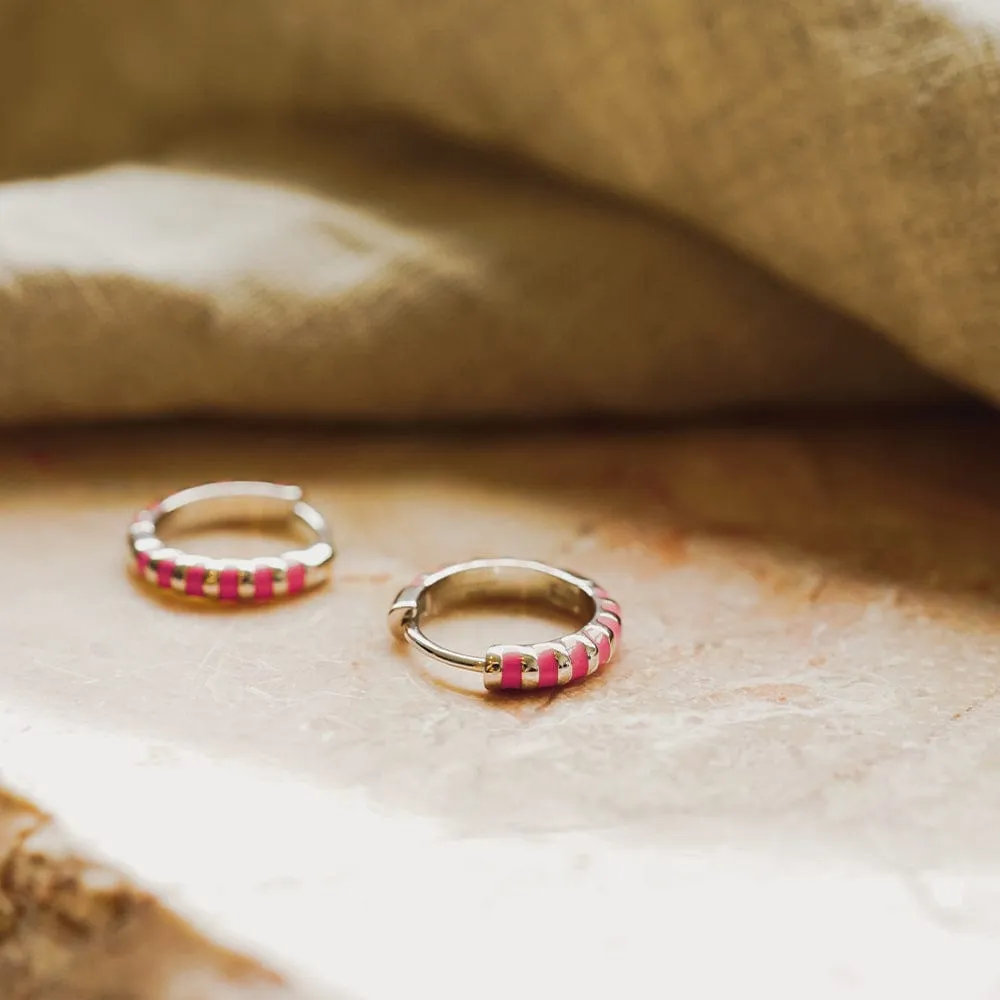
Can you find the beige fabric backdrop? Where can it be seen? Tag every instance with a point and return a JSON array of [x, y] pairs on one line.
[[217, 229]]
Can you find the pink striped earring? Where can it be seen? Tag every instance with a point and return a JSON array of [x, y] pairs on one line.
[[259, 579], [510, 667]]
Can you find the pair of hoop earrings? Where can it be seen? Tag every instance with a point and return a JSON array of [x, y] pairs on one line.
[[503, 667]]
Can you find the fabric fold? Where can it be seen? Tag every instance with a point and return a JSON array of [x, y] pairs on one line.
[[371, 277], [846, 150]]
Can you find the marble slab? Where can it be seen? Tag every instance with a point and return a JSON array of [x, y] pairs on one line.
[[789, 782]]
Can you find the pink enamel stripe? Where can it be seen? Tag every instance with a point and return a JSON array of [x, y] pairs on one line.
[[612, 623], [548, 669], [263, 583], [296, 577], [510, 670], [164, 572], [612, 606], [603, 649], [229, 584], [194, 584], [141, 562], [578, 657]]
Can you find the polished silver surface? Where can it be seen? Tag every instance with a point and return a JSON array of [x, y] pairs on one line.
[[484, 581], [224, 504]]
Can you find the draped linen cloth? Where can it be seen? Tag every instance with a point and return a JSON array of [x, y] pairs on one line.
[[469, 210]]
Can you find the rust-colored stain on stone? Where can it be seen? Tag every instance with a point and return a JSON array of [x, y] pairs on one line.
[[777, 693]]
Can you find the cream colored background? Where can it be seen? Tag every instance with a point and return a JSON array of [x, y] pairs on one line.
[[444, 210]]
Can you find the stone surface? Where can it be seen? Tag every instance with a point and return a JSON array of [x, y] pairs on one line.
[[72, 929], [787, 777]]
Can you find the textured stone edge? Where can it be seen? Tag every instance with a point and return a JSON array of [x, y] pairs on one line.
[[75, 929]]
